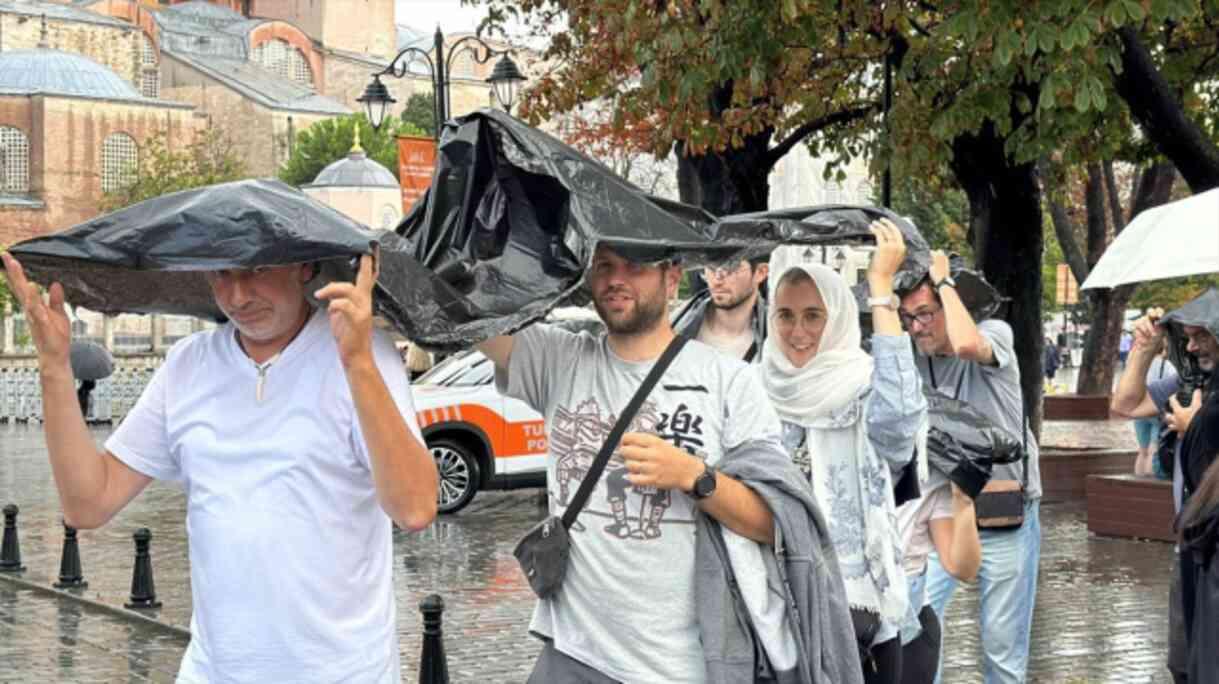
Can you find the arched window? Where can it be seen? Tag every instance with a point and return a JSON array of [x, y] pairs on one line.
[[120, 161], [14, 160], [150, 74], [280, 58], [464, 65]]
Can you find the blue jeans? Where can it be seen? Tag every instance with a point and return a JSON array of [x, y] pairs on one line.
[[1007, 582]]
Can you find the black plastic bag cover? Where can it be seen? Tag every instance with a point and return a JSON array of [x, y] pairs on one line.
[[964, 445], [1202, 311], [513, 217], [150, 257]]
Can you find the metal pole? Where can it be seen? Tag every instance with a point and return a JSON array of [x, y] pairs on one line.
[[886, 182], [438, 84]]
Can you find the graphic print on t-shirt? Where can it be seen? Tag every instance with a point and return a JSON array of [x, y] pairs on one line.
[[635, 512]]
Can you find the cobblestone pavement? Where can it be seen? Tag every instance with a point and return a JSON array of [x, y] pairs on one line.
[[1101, 610]]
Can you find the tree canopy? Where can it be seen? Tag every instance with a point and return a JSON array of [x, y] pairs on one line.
[[330, 140], [420, 111]]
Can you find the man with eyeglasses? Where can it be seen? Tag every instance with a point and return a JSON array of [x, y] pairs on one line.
[[730, 316], [292, 430], [976, 363]]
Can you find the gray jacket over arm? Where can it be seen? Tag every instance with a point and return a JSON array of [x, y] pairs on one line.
[[801, 566]]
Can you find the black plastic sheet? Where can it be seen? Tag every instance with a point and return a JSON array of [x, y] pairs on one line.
[[151, 257], [965, 445], [513, 216]]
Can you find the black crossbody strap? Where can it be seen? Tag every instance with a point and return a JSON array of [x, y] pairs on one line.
[[624, 419]]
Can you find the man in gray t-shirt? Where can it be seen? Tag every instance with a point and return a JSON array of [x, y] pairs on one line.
[[625, 611], [976, 363]]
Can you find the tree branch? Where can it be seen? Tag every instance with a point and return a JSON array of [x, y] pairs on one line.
[[1153, 103], [803, 131], [1065, 231], [1115, 201]]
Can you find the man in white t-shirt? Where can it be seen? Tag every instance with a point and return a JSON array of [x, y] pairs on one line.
[[626, 609], [293, 433]]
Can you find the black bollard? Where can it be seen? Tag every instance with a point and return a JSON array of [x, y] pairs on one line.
[[10, 550], [433, 668], [70, 576], [143, 591]]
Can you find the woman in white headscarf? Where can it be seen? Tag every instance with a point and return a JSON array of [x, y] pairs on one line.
[[851, 420]]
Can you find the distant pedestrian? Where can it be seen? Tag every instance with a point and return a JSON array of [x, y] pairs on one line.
[[1050, 361], [1123, 347], [1147, 428]]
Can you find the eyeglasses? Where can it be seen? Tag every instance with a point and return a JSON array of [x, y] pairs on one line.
[[724, 271], [924, 318]]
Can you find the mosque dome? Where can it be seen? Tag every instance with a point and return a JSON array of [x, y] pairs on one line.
[[355, 170], [43, 70]]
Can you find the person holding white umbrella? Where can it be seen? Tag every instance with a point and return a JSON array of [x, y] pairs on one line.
[[1173, 240]]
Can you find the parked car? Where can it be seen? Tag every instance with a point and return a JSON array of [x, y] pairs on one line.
[[479, 438]]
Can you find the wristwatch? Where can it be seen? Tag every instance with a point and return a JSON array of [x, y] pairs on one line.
[[946, 281], [890, 302], [704, 485]]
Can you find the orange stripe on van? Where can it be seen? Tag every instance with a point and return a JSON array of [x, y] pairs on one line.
[[507, 438]]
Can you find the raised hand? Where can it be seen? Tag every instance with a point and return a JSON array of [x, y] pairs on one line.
[[349, 306], [47, 319], [888, 257], [1148, 335]]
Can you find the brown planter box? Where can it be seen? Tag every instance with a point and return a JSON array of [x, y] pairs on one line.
[[1130, 506], [1075, 407], [1064, 472]]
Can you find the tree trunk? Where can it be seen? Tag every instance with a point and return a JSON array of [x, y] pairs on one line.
[[729, 182], [1005, 227], [1157, 107], [1107, 306]]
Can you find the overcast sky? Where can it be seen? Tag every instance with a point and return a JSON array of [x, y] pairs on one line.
[[450, 14]]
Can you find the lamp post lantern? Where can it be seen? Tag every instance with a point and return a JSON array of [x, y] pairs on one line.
[[505, 77]]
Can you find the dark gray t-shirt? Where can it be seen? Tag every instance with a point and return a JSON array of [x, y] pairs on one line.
[[993, 390], [626, 606]]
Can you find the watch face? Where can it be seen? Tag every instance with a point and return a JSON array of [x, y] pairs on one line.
[[705, 484]]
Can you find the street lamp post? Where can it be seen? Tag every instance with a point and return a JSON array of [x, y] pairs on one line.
[[505, 78]]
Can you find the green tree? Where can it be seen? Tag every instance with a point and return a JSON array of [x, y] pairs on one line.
[[940, 213], [329, 140], [420, 111], [210, 159]]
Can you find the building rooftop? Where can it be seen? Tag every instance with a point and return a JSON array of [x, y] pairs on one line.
[[262, 86], [42, 70], [54, 10]]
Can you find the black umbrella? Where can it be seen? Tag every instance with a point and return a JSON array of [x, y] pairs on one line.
[[90, 361]]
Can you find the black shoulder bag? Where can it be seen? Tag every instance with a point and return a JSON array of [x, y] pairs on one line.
[[544, 551], [1000, 504]]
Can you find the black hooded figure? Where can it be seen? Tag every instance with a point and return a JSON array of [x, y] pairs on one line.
[[1199, 549]]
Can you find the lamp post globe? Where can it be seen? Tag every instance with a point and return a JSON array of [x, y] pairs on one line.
[[506, 79], [840, 260], [376, 100]]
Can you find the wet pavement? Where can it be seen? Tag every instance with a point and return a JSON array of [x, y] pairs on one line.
[[1101, 611]]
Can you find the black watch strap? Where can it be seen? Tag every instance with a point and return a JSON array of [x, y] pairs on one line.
[[704, 485]]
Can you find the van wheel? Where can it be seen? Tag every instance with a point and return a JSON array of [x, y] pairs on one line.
[[459, 474]]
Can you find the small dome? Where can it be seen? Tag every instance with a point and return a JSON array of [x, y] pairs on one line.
[[355, 170], [61, 73]]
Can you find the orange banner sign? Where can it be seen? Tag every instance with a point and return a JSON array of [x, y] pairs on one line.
[[416, 159], [1067, 291]]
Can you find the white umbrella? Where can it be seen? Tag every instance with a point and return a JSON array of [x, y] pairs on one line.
[[1169, 241]]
